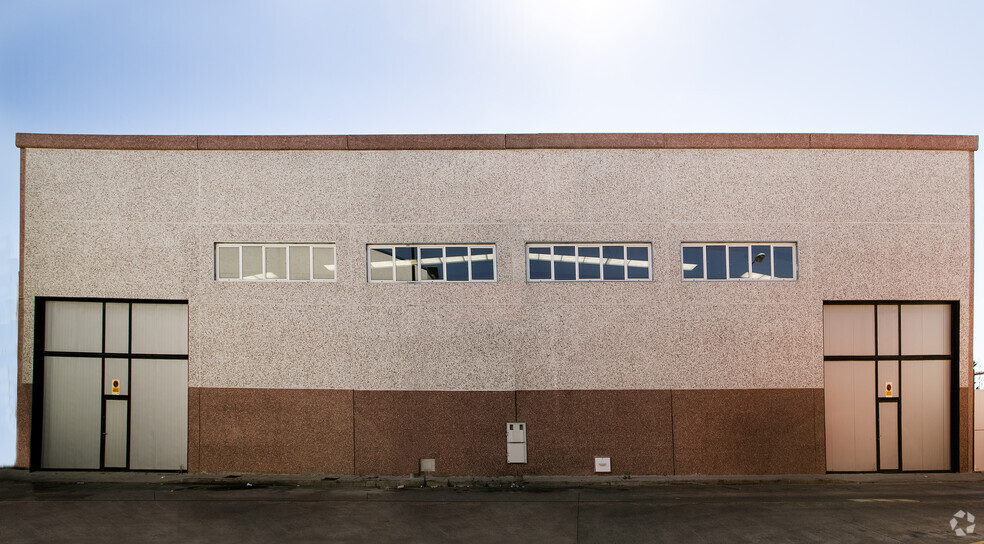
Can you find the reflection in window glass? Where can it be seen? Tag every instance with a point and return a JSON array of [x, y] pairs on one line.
[[300, 262], [539, 259], [638, 262], [483, 264], [589, 263], [275, 259], [715, 263], [228, 263], [252, 262], [275, 262], [457, 263], [738, 262], [564, 263], [431, 263], [783, 262], [381, 264], [748, 261], [762, 261], [406, 263], [323, 259], [614, 262], [693, 262]]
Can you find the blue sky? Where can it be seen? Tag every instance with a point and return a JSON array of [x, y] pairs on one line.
[[442, 66]]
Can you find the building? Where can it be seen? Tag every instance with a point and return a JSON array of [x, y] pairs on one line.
[[497, 304]]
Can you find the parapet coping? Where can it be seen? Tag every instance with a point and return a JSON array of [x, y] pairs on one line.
[[380, 142]]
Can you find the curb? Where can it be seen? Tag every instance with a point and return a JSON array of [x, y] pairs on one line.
[[506, 482]]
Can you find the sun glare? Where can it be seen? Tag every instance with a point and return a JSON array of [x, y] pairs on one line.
[[587, 27]]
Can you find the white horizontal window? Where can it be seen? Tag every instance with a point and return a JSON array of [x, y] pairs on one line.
[[461, 263], [738, 261], [275, 262], [588, 262]]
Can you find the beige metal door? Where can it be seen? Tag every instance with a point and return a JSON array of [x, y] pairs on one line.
[[888, 386], [115, 385], [926, 415], [849, 406]]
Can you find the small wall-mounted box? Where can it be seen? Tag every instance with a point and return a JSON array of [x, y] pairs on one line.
[[427, 465], [515, 442], [603, 464]]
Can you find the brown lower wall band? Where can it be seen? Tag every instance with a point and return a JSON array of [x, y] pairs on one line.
[[387, 432]]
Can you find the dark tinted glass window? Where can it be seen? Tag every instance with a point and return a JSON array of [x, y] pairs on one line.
[[564, 263], [457, 263], [431, 263], [738, 262], [483, 266], [638, 258], [762, 260], [715, 263], [614, 262], [406, 263], [589, 263], [693, 263], [539, 260], [784, 262]]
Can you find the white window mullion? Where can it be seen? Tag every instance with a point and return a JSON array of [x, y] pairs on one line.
[[703, 248], [751, 260], [727, 262], [263, 275], [625, 263], [772, 261], [392, 251]]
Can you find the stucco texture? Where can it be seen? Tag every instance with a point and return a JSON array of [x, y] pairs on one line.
[[869, 225]]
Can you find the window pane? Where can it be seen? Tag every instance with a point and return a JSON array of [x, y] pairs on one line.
[[693, 263], [457, 263], [300, 262], [431, 263], [738, 262], [276, 263], [228, 263], [614, 262], [539, 258], [252, 263], [483, 263], [406, 264], [324, 262], [761, 262], [715, 263], [563, 262], [784, 262], [381, 264], [638, 258], [589, 263]]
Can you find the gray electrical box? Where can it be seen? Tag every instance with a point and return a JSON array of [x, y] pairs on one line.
[[515, 442]]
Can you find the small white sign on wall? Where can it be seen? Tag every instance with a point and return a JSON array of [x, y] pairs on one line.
[[603, 464]]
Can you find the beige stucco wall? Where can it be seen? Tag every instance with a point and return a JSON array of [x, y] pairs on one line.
[[874, 224]]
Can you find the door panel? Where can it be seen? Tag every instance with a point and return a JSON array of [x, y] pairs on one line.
[[926, 415], [159, 414], [849, 405], [114, 451], [72, 423], [888, 436]]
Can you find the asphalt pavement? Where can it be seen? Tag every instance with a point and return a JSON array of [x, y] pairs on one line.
[[82, 507]]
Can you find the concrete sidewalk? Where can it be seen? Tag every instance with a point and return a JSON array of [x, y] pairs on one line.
[[416, 480]]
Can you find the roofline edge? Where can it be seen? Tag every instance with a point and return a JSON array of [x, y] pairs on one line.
[[501, 141]]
